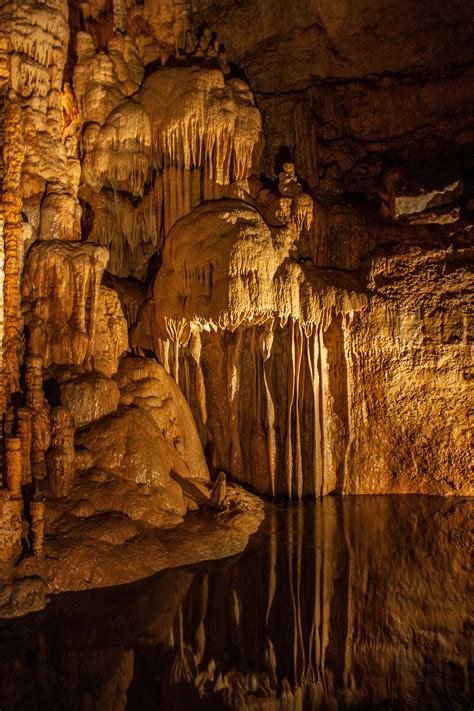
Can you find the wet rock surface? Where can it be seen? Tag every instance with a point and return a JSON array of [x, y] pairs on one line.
[[118, 535]]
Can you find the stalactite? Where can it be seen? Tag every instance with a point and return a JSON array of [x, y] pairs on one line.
[[271, 436], [176, 362], [60, 289], [40, 421], [233, 386], [298, 453], [312, 359], [60, 456], [197, 145], [323, 410], [289, 433], [265, 345], [195, 349]]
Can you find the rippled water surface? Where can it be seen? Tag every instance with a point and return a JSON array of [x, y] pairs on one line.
[[355, 603]]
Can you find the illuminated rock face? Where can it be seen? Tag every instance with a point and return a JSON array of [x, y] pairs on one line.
[[61, 284], [312, 325], [197, 131], [304, 380]]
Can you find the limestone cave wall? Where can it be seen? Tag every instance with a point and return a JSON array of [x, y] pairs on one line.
[[267, 204]]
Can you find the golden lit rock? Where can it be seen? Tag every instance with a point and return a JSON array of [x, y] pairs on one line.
[[235, 246]]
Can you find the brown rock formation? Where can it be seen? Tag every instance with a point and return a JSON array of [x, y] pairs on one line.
[[88, 396], [61, 288], [60, 457], [306, 331], [11, 253], [40, 415]]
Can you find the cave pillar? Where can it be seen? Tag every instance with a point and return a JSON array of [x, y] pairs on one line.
[[40, 421], [13, 462], [37, 524], [10, 218]]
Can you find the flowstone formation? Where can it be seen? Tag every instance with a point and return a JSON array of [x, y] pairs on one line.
[[186, 136], [211, 276]]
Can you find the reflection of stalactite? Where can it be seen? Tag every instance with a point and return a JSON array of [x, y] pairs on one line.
[[290, 675]]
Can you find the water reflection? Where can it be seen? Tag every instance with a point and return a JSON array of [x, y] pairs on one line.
[[360, 603]]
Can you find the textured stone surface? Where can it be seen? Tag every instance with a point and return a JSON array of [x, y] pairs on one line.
[[129, 443], [342, 84], [89, 397], [229, 163], [60, 289], [144, 383], [111, 333]]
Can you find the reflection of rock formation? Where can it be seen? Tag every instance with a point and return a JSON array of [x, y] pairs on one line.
[[347, 604], [353, 629]]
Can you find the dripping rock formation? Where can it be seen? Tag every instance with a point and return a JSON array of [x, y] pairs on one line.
[[235, 248]]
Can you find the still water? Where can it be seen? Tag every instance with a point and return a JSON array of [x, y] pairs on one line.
[[356, 603]]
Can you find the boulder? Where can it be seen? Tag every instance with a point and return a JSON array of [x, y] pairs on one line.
[[129, 444], [89, 397], [145, 383]]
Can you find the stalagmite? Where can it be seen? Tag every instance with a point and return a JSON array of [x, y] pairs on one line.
[[37, 509], [40, 415], [13, 466], [24, 432], [60, 457], [219, 491]]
